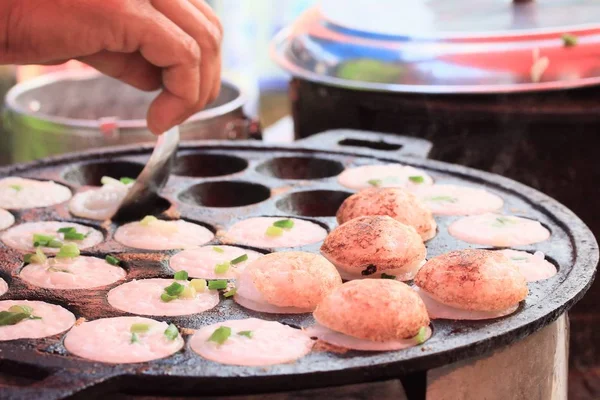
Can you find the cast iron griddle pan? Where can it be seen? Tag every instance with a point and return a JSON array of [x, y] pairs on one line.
[[219, 183]]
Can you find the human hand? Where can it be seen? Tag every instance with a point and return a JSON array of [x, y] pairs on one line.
[[149, 44]]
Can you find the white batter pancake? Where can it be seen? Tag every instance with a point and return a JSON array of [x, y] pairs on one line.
[[20, 237], [3, 286], [54, 320], [438, 310], [109, 340], [6, 219], [163, 235], [99, 204], [270, 343], [533, 266], [19, 193], [349, 342], [498, 230], [252, 232], [72, 273], [201, 263], [143, 297], [384, 175], [458, 200]]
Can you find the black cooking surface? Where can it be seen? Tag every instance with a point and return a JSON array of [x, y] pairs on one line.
[[255, 176]]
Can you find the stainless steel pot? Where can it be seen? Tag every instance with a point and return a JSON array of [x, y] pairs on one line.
[[66, 112]]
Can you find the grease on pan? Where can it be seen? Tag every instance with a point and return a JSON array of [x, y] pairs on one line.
[[6, 219], [53, 320], [109, 340], [252, 232], [163, 235], [72, 273], [201, 262], [383, 175], [449, 199], [20, 237], [19, 193], [269, 343], [498, 230]]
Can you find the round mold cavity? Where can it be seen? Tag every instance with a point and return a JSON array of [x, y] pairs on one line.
[[202, 165], [314, 203], [91, 174], [224, 194], [300, 168]]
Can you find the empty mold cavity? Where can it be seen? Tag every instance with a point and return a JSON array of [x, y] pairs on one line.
[[91, 174], [225, 194], [203, 165], [300, 168], [315, 203], [369, 144]]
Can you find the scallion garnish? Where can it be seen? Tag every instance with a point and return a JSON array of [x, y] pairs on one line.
[[220, 335], [375, 182], [68, 250], [274, 231], [167, 297], [503, 221], [54, 244], [218, 249], [171, 332], [284, 223], [112, 260], [248, 334], [16, 314], [17, 188], [139, 328], [126, 181], [222, 267], [181, 276], [217, 284], [421, 336], [67, 229], [20, 309], [416, 179], [37, 258], [56, 269], [198, 284], [569, 40], [74, 236], [134, 338], [448, 199], [230, 292], [386, 276], [147, 220], [518, 258], [239, 259], [174, 289], [188, 293], [42, 240]]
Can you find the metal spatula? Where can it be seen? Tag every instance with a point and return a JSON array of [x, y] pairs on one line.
[[142, 196]]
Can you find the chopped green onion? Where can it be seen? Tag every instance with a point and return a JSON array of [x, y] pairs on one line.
[[220, 335], [218, 249], [37, 258], [67, 229], [21, 309], [171, 332], [27, 258], [217, 284], [569, 40], [174, 289], [375, 182], [134, 338], [55, 269], [181, 276], [198, 284], [74, 236], [421, 336], [107, 180], [167, 297], [126, 181], [147, 220], [188, 293], [503, 221], [239, 259], [448, 199], [284, 223], [139, 328], [11, 318], [68, 250], [230, 293], [274, 231], [17, 188], [416, 179], [386, 276], [41, 239], [55, 244], [112, 260], [518, 258], [222, 268], [248, 334]]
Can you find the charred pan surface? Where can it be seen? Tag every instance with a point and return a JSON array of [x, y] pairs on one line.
[[43, 369]]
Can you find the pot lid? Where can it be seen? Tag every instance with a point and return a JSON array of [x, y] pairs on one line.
[[440, 46]]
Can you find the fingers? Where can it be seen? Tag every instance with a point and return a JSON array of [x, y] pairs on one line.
[[130, 68], [196, 19]]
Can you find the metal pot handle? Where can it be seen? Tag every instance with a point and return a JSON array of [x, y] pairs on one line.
[[370, 142]]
